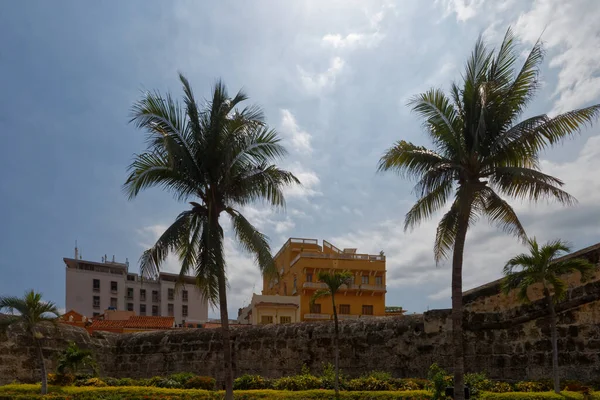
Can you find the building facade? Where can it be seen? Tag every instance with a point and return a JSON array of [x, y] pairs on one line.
[[300, 260], [92, 287], [265, 309]]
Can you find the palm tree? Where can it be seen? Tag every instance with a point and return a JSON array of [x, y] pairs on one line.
[[218, 158], [543, 266], [481, 151], [32, 311], [73, 358], [333, 281]]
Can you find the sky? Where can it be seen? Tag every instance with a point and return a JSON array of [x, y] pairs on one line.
[[333, 78]]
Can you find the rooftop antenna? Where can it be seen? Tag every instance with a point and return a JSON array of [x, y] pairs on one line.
[[113, 258], [105, 258], [76, 250]]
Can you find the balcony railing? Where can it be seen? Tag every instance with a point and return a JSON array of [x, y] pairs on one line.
[[375, 288], [314, 285], [347, 316], [339, 256], [317, 316]]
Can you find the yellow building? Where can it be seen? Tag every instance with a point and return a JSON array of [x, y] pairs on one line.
[[299, 262]]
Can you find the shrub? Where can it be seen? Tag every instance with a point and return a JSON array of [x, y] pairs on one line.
[[201, 382], [61, 379], [527, 386], [576, 386], [96, 382], [501, 387], [328, 377], [298, 382], [110, 381], [411, 384], [125, 382], [439, 381], [369, 384], [251, 382], [182, 377], [531, 396]]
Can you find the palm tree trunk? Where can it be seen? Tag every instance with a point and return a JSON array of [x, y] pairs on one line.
[[226, 335], [555, 376], [336, 349], [42, 366], [457, 311]]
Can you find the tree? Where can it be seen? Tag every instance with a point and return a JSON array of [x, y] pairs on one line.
[[333, 281], [543, 266], [73, 358], [481, 151], [218, 158], [32, 311]]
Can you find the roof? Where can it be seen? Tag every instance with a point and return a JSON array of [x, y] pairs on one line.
[[147, 322], [107, 324], [72, 262]]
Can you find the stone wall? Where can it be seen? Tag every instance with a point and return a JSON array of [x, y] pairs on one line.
[[511, 345]]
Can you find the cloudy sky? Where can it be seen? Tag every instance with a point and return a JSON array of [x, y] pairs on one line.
[[333, 78]]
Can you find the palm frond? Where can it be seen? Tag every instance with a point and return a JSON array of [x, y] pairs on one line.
[[527, 183], [428, 205], [318, 295], [445, 234], [500, 212], [410, 160], [253, 242]]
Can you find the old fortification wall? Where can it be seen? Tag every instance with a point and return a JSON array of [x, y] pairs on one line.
[[512, 345]]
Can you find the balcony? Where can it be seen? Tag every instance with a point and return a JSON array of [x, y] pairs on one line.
[[374, 288], [347, 316], [338, 256], [314, 285], [317, 316]]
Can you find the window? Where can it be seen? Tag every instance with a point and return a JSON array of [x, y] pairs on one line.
[[308, 277], [315, 309], [365, 279], [184, 295], [129, 306], [379, 281], [131, 278], [285, 320], [142, 309], [344, 308], [113, 287], [96, 301], [170, 309], [95, 314], [367, 310], [96, 285], [184, 310], [171, 294], [266, 319], [155, 311], [130, 293], [154, 296], [113, 302], [142, 294]]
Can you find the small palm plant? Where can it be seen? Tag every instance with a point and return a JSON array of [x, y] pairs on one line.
[[73, 359], [543, 266], [219, 157], [31, 312], [334, 282]]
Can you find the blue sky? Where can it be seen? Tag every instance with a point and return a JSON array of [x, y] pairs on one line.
[[333, 77]]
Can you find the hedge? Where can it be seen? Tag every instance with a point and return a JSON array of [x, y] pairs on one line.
[[534, 396], [146, 393]]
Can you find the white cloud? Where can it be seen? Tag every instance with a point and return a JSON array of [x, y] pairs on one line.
[[572, 34], [300, 139], [310, 182], [284, 226], [464, 9], [352, 40], [317, 83]]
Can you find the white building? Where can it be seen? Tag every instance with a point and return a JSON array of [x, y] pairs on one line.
[[270, 309], [92, 287]]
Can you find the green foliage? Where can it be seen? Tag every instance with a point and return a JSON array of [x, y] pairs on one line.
[[576, 386], [501, 387], [369, 383], [61, 379], [328, 377], [125, 382], [298, 382], [478, 382], [531, 396], [73, 358], [201, 382], [529, 386], [437, 376], [96, 382], [182, 377], [252, 382]]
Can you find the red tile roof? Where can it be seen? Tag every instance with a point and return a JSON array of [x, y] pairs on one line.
[[107, 324], [146, 322]]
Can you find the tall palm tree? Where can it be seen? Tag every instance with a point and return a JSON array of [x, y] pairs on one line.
[[218, 158], [333, 281], [541, 266], [481, 151], [31, 312]]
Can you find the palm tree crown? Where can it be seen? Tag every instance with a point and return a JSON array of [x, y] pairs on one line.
[[31, 311], [543, 265], [218, 154], [482, 150]]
